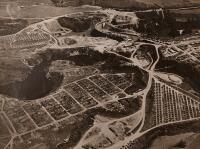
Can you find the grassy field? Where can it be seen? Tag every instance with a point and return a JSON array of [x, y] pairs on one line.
[[26, 2], [186, 141], [169, 3], [187, 11], [42, 11]]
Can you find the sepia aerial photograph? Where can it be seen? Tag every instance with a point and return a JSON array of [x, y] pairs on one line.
[[99, 74]]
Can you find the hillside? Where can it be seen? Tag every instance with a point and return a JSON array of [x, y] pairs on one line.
[[25, 2], [134, 4]]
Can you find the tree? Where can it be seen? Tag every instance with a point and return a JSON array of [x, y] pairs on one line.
[[181, 144]]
